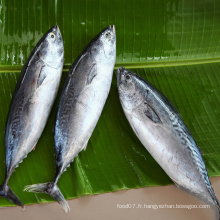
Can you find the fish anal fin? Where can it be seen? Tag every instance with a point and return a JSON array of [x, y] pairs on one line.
[[34, 147], [177, 185], [84, 146]]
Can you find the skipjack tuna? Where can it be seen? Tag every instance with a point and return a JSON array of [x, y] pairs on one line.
[[83, 97], [32, 102], [162, 131]]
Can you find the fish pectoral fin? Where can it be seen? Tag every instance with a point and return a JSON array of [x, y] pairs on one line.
[[151, 114], [38, 73], [92, 74], [41, 77], [40, 80]]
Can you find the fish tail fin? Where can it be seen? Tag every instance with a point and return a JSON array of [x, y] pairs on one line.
[[52, 189], [7, 193]]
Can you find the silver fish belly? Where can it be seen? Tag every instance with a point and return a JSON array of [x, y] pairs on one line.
[[31, 104], [162, 131], [83, 97]]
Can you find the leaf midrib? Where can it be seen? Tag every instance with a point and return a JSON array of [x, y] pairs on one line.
[[137, 65]]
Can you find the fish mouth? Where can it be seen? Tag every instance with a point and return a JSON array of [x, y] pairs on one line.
[[55, 29], [112, 28]]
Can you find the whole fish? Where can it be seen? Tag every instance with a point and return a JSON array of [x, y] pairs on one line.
[[161, 130], [31, 104], [83, 97]]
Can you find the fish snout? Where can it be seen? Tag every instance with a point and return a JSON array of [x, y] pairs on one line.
[[56, 31], [112, 31]]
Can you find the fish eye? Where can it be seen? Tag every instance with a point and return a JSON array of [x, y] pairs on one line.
[[127, 77], [108, 35], [52, 35]]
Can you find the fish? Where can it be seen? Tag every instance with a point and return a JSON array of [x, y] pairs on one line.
[[162, 131], [83, 96], [31, 103]]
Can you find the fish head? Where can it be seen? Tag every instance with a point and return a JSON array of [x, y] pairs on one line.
[[51, 49], [104, 45], [129, 88]]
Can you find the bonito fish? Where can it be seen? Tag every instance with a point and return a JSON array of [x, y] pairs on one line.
[[161, 130], [32, 102], [83, 97]]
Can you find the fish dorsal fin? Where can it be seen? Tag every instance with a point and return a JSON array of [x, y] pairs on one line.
[[151, 114], [92, 74]]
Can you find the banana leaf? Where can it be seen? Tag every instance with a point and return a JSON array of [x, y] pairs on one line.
[[174, 44]]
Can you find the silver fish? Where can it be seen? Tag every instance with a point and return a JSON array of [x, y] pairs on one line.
[[161, 130], [83, 97], [31, 104]]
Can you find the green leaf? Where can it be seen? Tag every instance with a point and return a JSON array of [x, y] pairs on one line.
[[174, 44]]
